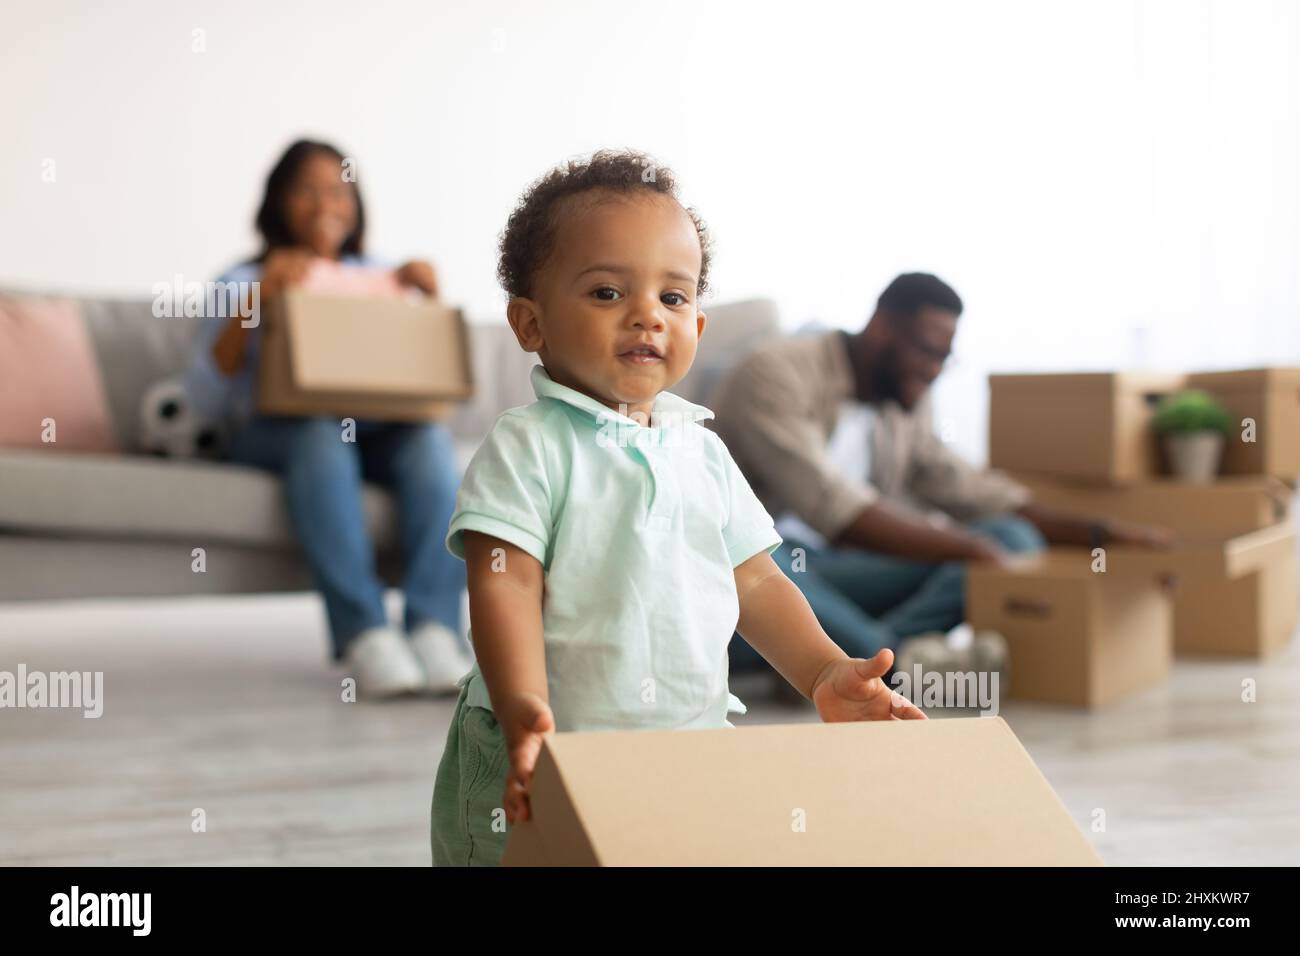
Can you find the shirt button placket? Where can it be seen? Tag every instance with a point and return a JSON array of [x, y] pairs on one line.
[[663, 502]]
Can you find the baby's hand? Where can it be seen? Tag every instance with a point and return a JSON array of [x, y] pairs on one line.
[[526, 720], [852, 689]]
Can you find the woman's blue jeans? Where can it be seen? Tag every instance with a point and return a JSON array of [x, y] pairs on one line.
[[323, 477]]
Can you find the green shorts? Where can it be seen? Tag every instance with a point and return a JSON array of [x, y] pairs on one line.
[[467, 821]]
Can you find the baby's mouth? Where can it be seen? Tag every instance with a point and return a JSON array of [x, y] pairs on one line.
[[641, 355]]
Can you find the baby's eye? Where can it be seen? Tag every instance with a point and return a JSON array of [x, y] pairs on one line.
[[606, 294], [673, 298]]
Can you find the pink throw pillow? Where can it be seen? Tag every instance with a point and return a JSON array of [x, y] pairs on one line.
[[48, 370]]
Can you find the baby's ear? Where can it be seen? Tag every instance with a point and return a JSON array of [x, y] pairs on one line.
[[700, 318], [522, 315]]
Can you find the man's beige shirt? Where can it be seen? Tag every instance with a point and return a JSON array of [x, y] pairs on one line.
[[777, 410]]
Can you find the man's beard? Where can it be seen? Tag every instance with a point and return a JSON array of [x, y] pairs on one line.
[[886, 386]]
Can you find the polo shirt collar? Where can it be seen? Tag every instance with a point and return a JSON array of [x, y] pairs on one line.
[[678, 409]]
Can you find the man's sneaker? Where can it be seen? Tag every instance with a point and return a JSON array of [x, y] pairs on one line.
[[382, 663], [988, 654], [932, 651], [442, 657], [957, 652]]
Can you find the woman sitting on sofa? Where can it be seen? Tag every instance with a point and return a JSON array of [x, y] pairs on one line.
[[312, 219]]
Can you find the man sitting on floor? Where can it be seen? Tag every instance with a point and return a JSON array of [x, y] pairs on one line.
[[833, 432]]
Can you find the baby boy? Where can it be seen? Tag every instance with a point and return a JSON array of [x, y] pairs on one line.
[[611, 543]]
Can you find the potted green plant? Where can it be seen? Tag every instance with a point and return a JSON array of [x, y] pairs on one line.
[[1192, 425]]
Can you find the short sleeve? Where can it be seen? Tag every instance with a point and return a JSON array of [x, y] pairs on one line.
[[506, 491], [749, 529]]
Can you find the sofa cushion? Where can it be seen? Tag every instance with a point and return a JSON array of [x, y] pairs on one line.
[[732, 329], [49, 374], [49, 492], [135, 350]]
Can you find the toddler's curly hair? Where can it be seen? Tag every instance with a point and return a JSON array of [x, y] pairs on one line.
[[529, 236]]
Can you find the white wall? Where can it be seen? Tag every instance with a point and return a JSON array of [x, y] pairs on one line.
[[1106, 183]]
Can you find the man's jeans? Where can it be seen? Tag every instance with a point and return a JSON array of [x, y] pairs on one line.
[[866, 601], [323, 477]]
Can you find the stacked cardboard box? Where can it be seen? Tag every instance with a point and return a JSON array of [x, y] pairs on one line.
[[1090, 426], [1083, 443], [1270, 399], [1097, 425], [1074, 636], [1234, 562]]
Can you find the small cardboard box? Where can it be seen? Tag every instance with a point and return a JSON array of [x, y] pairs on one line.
[[952, 792], [1271, 398], [1236, 596], [392, 359], [1224, 508], [1093, 425], [1074, 635]]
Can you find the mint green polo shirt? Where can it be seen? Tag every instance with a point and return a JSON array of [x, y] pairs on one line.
[[638, 530]]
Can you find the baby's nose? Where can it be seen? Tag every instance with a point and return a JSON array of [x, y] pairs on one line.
[[648, 317]]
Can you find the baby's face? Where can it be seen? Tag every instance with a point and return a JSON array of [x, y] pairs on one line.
[[615, 304]]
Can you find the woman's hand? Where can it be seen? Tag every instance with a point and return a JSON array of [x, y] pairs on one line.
[[419, 274], [852, 689], [283, 269]]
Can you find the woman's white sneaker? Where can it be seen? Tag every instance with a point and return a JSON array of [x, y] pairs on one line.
[[442, 656], [382, 663]]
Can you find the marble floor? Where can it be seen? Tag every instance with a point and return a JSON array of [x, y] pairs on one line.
[[228, 707]]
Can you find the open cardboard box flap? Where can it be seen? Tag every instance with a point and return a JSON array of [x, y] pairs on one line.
[[959, 791], [1201, 558], [1229, 506]]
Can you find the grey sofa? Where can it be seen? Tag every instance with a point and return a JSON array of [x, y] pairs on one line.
[[88, 526]]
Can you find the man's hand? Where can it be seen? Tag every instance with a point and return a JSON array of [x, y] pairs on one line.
[[1064, 527], [900, 532], [851, 689], [419, 274], [989, 551], [526, 722]]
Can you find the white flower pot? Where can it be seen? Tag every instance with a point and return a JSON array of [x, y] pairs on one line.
[[1194, 456]]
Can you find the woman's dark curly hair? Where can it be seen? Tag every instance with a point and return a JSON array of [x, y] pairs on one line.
[[529, 235], [271, 221]]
